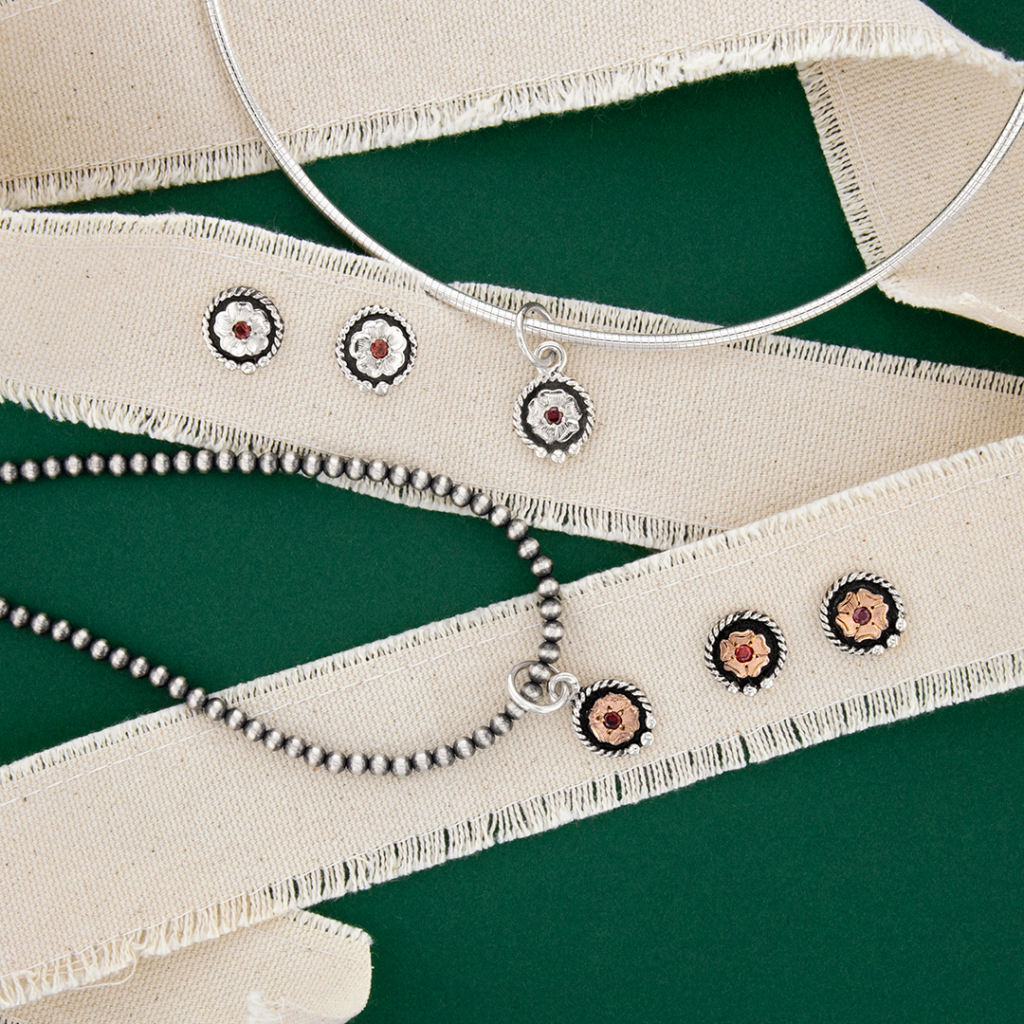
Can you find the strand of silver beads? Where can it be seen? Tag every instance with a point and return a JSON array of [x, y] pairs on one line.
[[289, 462]]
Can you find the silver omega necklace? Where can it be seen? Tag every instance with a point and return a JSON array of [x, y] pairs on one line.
[[549, 357], [610, 716]]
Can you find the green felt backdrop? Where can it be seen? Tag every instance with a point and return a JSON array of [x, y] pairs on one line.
[[876, 877]]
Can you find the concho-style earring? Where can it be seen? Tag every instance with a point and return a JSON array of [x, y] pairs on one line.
[[613, 718], [552, 414], [376, 348], [745, 652], [243, 329], [863, 614]]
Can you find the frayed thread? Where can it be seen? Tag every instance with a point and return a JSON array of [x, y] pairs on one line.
[[575, 90], [524, 818]]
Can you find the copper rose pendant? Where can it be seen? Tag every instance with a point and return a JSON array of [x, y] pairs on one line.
[[553, 415], [613, 718]]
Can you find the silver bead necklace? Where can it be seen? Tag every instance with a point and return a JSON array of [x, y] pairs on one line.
[[623, 727]]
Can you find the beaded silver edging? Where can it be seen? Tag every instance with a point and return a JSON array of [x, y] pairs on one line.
[[526, 698], [245, 363], [358, 368], [890, 636], [644, 735], [732, 683]]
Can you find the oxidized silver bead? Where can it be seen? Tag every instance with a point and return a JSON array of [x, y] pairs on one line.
[[182, 461], [96, 464], [529, 548], [421, 761], [117, 464], [501, 725], [196, 698], [335, 762], [254, 729], [420, 479], [40, 623], [246, 461], [541, 566], [548, 652], [9, 472], [517, 529], [549, 587], [294, 746], [481, 504], [553, 630], [551, 608], [138, 464], [460, 495], [52, 467], [273, 739], [73, 465], [514, 711], [290, 462], [268, 463], [159, 676], [483, 738], [377, 470], [355, 469], [99, 649], [312, 464], [80, 639], [357, 763], [119, 658], [19, 617], [60, 630], [398, 475], [138, 667], [4, 608], [379, 764], [540, 674], [160, 464], [464, 748], [531, 691], [178, 687], [443, 756], [30, 470], [215, 709], [334, 466], [441, 485], [225, 461], [235, 719], [401, 766], [315, 756], [204, 460], [499, 516]]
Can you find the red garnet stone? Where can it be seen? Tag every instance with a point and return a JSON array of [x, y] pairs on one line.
[[554, 416], [744, 653], [861, 615], [241, 330], [612, 720], [378, 348]]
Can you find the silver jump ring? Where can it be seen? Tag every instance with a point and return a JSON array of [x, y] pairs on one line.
[[526, 704], [548, 355]]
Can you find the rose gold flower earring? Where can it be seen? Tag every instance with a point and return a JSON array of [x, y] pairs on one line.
[[745, 652], [376, 348], [863, 613]]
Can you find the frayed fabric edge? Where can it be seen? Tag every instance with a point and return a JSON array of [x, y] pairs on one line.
[[954, 685], [512, 102]]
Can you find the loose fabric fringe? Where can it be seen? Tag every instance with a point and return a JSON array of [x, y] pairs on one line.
[[527, 817], [513, 102]]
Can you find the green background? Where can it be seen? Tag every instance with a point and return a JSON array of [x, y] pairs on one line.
[[876, 877]]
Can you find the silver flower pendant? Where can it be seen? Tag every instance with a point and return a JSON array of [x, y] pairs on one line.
[[553, 415]]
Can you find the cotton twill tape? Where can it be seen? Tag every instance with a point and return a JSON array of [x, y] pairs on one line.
[[299, 968], [704, 420], [133, 798]]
